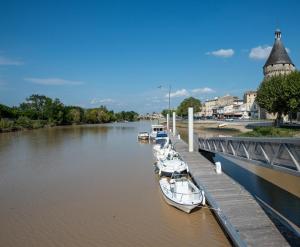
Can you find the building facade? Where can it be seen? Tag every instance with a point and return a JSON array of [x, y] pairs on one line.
[[250, 105]]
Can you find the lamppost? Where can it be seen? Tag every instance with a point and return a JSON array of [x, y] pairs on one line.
[[169, 108]]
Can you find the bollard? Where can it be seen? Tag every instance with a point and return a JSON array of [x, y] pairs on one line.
[[178, 137], [218, 167]]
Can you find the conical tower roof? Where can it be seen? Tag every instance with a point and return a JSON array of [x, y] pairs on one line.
[[278, 54]]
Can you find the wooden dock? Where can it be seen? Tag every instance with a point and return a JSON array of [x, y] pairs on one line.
[[239, 213]]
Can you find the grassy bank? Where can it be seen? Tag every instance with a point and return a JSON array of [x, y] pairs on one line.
[[23, 123], [271, 132]]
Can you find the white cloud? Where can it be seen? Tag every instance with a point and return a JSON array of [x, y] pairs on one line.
[[102, 101], [222, 53], [260, 52], [53, 81], [204, 90], [8, 61], [178, 93]]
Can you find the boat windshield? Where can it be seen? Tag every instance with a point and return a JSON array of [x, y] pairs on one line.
[[161, 142], [162, 134]]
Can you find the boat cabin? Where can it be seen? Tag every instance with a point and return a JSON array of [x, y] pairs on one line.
[[157, 127]]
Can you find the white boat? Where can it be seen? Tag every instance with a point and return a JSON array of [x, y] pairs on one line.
[[155, 128], [143, 135], [182, 193], [165, 153], [161, 144], [170, 165], [222, 125]]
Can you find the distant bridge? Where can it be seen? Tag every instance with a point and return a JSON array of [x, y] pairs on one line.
[[276, 153]]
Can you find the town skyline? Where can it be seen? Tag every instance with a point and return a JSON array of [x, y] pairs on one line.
[[125, 56]]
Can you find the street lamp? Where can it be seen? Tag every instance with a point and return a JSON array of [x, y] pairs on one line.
[[169, 109]]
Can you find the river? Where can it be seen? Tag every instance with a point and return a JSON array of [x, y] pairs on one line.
[[90, 185]]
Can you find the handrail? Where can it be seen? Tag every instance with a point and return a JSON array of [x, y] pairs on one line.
[[277, 153]]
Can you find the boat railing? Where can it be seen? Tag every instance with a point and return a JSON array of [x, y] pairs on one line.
[[197, 195]]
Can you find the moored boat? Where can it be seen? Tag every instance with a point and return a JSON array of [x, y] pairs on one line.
[[143, 135], [182, 193], [170, 165], [165, 153], [161, 144], [155, 128]]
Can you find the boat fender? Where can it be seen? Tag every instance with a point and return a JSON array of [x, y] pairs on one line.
[[203, 198], [187, 169]]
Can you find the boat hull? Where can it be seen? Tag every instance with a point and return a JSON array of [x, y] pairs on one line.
[[184, 207], [143, 137]]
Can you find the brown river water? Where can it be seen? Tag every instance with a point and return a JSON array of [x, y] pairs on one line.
[[91, 185]]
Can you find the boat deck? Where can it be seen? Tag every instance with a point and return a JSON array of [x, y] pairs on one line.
[[241, 216]]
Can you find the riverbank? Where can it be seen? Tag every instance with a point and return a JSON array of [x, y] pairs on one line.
[[40, 111], [272, 132], [212, 128], [27, 124]]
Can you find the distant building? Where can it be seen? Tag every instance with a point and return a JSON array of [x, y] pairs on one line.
[[250, 105], [220, 106], [278, 61]]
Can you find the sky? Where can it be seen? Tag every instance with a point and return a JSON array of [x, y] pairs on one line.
[[127, 54]]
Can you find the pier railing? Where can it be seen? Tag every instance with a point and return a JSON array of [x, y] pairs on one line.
[[277, 153]]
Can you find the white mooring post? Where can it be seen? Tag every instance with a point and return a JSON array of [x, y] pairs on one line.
[[174, 123], [218, 167], [191, 129], [168, 116]]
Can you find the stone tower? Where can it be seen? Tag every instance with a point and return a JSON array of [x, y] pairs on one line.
[[279, 61]]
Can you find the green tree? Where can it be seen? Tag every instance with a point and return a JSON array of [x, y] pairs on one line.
[[164, 112], [35, 106], [74, 114], [98, 115], [280, 94], [6, 112], [182, 109], [292, 92]]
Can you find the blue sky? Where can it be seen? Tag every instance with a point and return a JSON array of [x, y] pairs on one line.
[[117, 53]]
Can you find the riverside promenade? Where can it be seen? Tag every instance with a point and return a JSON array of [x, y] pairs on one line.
[[238, 212]]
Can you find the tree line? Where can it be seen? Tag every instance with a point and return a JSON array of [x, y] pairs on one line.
[[39, 110]]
